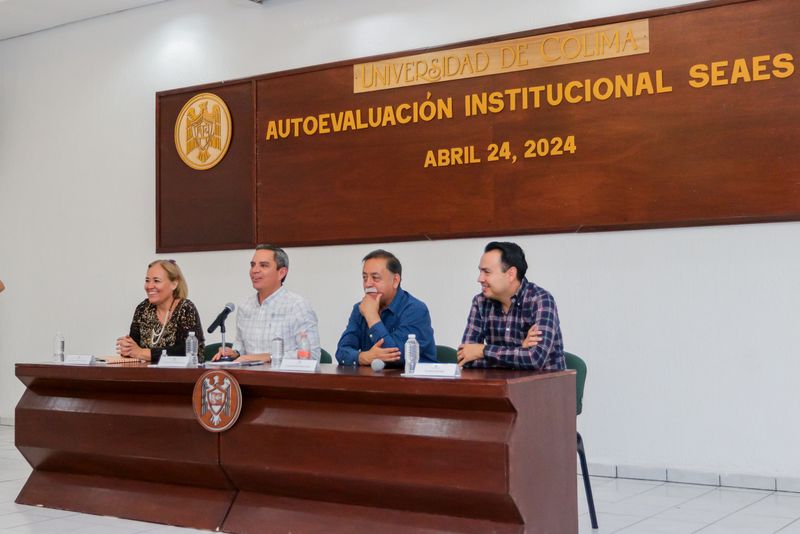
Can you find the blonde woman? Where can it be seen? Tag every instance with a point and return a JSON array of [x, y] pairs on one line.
[[164, 319]]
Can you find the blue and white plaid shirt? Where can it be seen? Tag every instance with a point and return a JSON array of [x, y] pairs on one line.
[[503, 333], [283, 314]]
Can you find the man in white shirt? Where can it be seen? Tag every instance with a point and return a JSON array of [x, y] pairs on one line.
[[272, 312]]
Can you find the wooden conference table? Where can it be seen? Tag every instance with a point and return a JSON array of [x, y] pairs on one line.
[[342, 450]]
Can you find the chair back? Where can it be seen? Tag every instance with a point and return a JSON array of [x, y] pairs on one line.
[[445, 354], [325, 356], [579, 366]]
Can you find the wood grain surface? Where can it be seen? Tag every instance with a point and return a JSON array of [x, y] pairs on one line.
[[492, 451], [669, 151]]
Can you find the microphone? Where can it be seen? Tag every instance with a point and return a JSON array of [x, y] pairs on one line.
[[377, 365], [229, 307]]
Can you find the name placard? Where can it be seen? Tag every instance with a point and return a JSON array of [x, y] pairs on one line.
[[78, 359], [174, 361], [303, 366], [435, 370]]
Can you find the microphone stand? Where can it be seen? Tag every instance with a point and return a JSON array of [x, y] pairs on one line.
[[222, 331]]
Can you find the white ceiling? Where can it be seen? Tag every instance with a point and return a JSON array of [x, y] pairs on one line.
[[19, 17]]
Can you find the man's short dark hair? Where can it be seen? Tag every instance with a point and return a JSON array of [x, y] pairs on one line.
[[392, 263], [511, 255], [281, 258]]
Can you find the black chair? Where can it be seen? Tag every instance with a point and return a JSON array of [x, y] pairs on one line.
[[579, 366], [445, 354], [325, 356]]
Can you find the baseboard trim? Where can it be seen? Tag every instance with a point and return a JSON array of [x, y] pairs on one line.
[[690, 476]]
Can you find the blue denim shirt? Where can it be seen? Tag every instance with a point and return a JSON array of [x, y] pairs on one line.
[[405, 315]]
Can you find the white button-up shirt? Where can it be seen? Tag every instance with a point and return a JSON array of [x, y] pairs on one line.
[[283, 314]]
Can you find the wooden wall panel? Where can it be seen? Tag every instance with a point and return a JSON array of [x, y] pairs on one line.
[[210, 209], [678, 157]]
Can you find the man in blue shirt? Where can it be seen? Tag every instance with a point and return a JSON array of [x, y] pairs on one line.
[[379, 325]]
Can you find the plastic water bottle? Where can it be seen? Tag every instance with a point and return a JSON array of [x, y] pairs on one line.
[[58, 347], [412, 353], [277, 351], [303, 347], [192, 345]]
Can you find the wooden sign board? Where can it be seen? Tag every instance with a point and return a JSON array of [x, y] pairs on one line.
[[211, 208], [682, 117]]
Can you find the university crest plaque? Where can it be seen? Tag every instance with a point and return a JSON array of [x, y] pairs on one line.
[[217, 400], [203, 131]]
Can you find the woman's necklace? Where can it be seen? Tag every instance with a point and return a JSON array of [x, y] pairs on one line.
[[156, 339]]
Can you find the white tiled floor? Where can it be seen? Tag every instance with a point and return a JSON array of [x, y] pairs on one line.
[[644, 507], [625, 506]]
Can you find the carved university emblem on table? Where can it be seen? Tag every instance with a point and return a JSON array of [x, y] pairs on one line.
[[203, 131], [217, 400]]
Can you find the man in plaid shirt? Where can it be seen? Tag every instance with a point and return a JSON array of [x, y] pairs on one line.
[[513, 322]]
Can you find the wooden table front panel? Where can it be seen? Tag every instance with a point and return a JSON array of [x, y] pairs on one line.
[[397, 453], [108, 441], [333, 451]]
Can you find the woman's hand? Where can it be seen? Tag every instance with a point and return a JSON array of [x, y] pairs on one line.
[[128, 348]]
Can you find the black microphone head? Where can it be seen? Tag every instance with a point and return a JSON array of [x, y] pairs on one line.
[[377, 365], [229, 307]]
